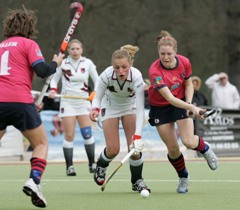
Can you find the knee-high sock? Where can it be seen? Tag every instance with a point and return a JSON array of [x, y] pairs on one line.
[[136, 167], [202, 146], [38, 166], [179, 165], [103, 160], [89, 145], [68, 153]]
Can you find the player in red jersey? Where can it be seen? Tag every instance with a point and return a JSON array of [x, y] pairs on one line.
[[20, 58], [170, 97]]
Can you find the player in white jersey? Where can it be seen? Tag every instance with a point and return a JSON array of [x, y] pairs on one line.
[[75, 72], [119, 96]]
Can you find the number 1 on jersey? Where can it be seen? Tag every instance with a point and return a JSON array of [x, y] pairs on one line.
[[4, 64]]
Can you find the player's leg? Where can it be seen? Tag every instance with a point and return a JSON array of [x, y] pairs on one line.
[[191, 141], [68, 143], [38, 140], [168, 134], [85, 125], [111, 134], [135, 161]]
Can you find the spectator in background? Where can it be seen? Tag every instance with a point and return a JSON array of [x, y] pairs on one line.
[[224, 94], [199, 99]]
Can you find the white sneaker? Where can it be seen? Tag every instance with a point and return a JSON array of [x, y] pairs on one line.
[[183, 185], [70, 171], [211, 158], [92, 168], [34, 190]]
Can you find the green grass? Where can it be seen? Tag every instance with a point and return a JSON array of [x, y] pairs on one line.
[[208, 190]]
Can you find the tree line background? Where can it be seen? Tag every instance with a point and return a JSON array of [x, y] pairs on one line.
[[207, 31]]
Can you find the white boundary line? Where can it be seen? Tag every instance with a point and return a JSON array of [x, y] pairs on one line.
[[126, 180]]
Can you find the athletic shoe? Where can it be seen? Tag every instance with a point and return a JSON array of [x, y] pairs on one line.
[[140, 185], [92, 168], [211, 158], [71, 171], [99, 175], [34, 190], [183, 185]]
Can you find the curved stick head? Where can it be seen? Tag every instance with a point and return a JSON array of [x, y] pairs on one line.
[[78, 6]]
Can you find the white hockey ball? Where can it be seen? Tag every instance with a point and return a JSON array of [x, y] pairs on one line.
[[144, 193]]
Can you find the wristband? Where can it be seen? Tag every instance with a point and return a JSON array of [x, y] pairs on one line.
[[54, 89], [136, 137], [96, 109]]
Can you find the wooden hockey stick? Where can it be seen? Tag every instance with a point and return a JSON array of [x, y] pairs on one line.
[[37, 93], [117, 168], [64, 44], [205, 114]]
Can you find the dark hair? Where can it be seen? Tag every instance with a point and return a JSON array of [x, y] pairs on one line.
[[20, 23]]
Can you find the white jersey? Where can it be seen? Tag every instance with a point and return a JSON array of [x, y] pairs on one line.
[[75, 79], [118, 98]]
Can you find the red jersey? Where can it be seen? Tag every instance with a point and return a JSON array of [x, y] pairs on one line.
[[172, 78], [18, 55]]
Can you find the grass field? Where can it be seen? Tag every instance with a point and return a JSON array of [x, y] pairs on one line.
[[208, 190]]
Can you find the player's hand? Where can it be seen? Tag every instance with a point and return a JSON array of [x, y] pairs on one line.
[[92, 95], [196, 112], [52, 93], [137, 144], [58, 58], [39, 107], [93, 115]]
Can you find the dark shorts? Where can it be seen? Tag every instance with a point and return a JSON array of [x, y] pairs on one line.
[[165, 114], [21, 115]]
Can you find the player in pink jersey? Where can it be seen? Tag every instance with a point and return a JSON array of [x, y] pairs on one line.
[[170, 97], [20, 58]]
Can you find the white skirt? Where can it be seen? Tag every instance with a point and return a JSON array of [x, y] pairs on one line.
[[74, 107], [115, 110]]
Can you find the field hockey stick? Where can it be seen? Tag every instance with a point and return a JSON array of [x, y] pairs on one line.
[[205, 114], [64, 43], [34, 92], [117, 168]]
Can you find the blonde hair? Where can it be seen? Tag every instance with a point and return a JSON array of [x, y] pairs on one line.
[[165, 38], [130, 49], [198, 82], [74, 41], [118, 54]]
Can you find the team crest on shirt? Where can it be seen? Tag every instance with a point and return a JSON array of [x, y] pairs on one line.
[[157, 80], [38, 52], [83, 70], [111, 88]]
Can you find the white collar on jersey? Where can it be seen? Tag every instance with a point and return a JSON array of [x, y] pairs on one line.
[[69, 59], [129, 77]]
